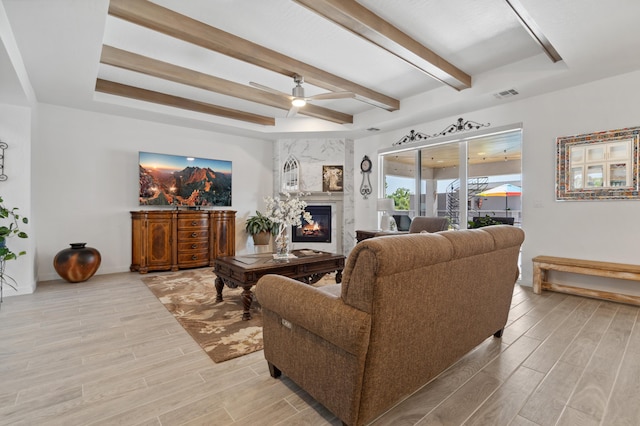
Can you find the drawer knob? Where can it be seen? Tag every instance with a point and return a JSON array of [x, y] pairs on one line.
[[194, 245], [195, 234], [194, 257], [194, 223]]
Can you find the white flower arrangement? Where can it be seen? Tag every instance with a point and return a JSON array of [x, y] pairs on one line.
[[289, 211]]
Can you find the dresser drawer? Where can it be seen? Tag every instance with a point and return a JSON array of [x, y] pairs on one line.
[[193, 235], [193, 245], [193, 222], [194, 258]]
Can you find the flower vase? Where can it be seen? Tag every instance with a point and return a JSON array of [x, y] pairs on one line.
[[282, 242]]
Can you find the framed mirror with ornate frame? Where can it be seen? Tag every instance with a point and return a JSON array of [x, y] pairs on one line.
[[598, 166]]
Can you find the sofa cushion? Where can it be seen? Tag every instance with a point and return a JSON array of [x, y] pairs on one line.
[[472, 242]]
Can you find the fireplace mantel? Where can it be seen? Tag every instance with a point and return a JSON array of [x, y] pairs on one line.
[[318, 196]]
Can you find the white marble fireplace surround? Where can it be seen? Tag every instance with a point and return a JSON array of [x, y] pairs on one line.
[[312, 154]]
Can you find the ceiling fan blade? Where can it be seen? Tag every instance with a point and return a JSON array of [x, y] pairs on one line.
[[332, 95], [293, 111], [269, 89]]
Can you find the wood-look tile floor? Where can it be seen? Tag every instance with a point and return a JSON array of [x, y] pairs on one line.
[[107, 352]]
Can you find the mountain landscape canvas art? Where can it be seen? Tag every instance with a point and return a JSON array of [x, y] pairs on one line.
[[174, 180]]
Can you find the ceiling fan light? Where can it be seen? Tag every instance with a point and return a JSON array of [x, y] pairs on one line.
[[298, 102]]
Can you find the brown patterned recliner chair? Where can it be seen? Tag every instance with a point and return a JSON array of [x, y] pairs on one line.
[[408, 307], [420, 224]]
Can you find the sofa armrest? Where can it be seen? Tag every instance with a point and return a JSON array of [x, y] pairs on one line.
[[318, 312]]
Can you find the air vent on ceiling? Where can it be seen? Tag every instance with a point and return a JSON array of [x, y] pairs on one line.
[[506, 93]]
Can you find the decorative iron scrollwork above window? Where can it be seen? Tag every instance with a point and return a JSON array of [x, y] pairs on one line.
[[460, 126], [413, 136]]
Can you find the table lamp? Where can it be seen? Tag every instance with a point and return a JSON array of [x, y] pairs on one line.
[[385, 205]]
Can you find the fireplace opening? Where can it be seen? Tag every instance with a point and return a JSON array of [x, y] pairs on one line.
[[317, 232]]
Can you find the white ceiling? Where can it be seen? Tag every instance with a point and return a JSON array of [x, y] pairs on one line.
[[60, 43]]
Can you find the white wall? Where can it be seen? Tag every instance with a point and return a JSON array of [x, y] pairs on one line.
[[15, 130], [597, 230], [85, 179], [84, 175]]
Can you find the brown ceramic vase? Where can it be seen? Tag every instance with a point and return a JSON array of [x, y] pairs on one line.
[[78, 263]]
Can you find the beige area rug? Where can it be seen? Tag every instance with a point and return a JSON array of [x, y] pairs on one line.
[[190, 295]]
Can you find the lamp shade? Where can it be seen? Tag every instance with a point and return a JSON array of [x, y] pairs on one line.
[[385, 204]]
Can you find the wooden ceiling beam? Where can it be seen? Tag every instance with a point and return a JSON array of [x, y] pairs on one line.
[[166, 21], [534, 31], [118, 89], [155, 68], [356, 18]]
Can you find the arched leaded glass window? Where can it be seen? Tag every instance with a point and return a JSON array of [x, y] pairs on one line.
[[291, 175]]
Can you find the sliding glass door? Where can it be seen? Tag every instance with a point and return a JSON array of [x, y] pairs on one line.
[[453, 179]]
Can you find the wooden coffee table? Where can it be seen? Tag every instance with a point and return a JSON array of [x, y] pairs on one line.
[[308, 266]]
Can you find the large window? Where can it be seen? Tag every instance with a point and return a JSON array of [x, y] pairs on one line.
[[400, 182], [451, 178]]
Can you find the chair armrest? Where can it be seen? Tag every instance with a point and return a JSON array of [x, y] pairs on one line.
[[318, 312]]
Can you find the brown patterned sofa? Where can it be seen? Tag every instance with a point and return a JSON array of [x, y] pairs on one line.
[[408, 307]]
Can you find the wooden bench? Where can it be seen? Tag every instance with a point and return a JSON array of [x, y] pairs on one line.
[[543, 264]]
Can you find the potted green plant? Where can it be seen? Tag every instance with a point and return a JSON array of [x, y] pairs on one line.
[[10, 227], [260, 228], [482, 221]]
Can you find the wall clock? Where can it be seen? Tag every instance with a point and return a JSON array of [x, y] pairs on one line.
[[365, 169]]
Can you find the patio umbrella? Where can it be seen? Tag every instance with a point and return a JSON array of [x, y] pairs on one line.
[[506, 190]]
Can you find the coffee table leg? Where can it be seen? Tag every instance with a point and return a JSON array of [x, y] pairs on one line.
[[338, 276], [219, 287], [247, 299], [312, 279]]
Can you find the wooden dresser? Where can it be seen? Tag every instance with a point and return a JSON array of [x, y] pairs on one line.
[[178, 239]]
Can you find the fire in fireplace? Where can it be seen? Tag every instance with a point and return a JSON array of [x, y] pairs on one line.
[[317, 232]]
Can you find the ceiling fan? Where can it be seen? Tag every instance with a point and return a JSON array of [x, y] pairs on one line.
[[297, 97]]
